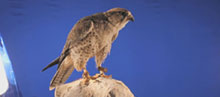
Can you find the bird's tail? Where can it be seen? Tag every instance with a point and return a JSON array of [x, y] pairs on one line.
[[64, 71]]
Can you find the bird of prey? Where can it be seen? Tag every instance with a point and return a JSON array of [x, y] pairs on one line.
[[91, 36]]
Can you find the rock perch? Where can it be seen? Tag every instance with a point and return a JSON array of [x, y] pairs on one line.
[[101, 87]]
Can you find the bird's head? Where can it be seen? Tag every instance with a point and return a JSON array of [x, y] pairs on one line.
[[119, 16]]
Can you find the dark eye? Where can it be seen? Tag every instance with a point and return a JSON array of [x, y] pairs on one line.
[[124, 14]]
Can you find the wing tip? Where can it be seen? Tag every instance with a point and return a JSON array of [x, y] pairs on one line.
[[54, 62], [43, 70]]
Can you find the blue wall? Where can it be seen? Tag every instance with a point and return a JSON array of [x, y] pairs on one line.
[[171, 50]]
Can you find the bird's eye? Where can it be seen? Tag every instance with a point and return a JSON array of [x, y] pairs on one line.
[[124, 14]]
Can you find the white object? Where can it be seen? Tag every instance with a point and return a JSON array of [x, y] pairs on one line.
[[3, 78]]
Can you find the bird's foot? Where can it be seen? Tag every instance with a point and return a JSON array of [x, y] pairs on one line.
[[95, 76], [100, 75], [102, 72], [86, 77], [102, 69], [105, 76]]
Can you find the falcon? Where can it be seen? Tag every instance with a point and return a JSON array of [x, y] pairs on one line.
[[91, 36]]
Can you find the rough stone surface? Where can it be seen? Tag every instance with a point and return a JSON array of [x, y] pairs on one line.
[[101, 87]]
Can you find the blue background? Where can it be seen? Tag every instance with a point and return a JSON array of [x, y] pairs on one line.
[[171, 50]]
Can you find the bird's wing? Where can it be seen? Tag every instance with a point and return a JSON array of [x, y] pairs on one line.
[[114, 37], [81, 29], [66, 64]]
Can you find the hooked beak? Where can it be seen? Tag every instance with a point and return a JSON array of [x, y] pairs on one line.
[[131, 17]]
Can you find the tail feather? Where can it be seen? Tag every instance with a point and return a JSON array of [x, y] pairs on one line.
[[64, 71], [54, 62]]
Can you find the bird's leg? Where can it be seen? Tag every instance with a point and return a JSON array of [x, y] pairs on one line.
[[101, 74], [86, 76], [99, 58], [102, 71]]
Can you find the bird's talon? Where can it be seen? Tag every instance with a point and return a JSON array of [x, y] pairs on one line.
[[105, 76], [102, 69], [95, 76]]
